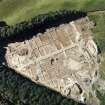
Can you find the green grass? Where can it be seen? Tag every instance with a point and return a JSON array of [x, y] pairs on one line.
[[99, 36], [14, 11], [99, 30], [101, 96]]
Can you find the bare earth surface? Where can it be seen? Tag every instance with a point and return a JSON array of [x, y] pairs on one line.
[[63, 58]]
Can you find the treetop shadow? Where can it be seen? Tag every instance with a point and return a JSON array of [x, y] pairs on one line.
[[25, 30]]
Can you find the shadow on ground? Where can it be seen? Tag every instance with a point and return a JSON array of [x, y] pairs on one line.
[[18, 90], [26, 30]]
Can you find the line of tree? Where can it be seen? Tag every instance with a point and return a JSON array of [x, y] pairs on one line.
[[38, 24], [4, 101], [19, 90]]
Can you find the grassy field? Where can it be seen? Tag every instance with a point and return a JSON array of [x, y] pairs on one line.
[[14, 11], [99, 37]]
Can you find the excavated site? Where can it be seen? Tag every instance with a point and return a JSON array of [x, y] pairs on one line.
[[63, 58]]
